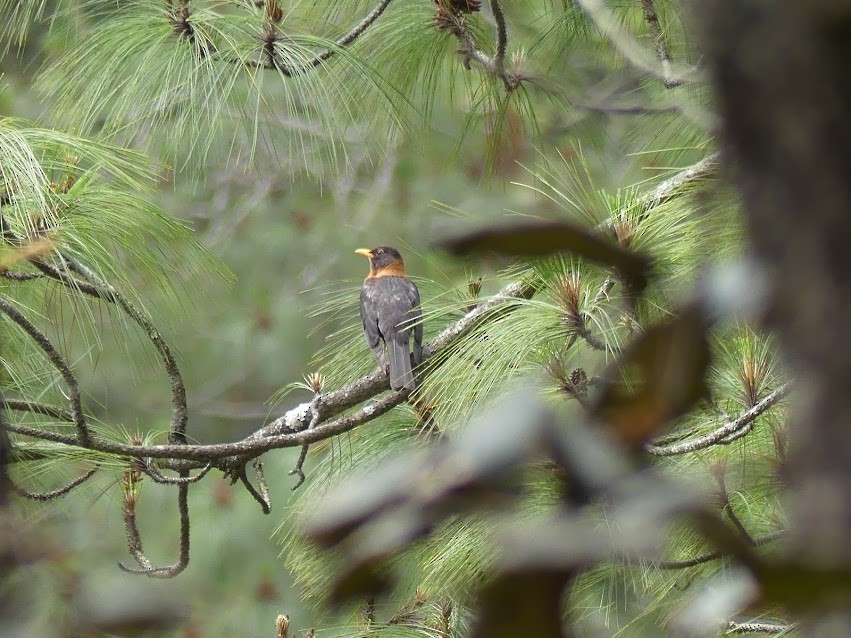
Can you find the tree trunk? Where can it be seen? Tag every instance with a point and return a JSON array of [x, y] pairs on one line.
[[782, 73]]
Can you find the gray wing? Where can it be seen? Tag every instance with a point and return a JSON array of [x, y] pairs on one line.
[[416, 315], [369, 318]]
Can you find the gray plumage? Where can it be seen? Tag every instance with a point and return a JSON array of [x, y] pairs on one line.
[[390, 311]]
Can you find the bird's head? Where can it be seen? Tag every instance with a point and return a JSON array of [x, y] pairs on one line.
[[383, 261]]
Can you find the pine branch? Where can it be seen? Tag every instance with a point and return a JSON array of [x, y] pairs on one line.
[[661, 45], [79, 419], [626, 44], [62, 491], [501, 40], [273, 35], [316, 420], [470, 51], [759, 627], [290, 430], [39, 408], [716, 555], [180, 415], [730, 431]]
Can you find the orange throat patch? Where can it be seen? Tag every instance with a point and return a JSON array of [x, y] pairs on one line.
[[393, 270]]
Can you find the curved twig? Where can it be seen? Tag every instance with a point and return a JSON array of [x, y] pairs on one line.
[[724, 434], [471, 52], [299, 465], [261, 495], [625, 43], [47, 496], [83, 434], [180, 415], [153, 471], [70, 282], [134, 541]]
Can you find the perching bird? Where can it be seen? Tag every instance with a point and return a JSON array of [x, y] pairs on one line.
[[390, 311]]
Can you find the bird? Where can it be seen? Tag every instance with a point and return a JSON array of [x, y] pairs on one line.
[[391, 314]]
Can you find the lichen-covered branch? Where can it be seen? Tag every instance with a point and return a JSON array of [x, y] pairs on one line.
[[722, 435]]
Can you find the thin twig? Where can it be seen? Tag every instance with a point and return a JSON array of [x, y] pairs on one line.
[[135, 542], [626, 44], [39, 408], [273, 62], [356, 32], [501, 41], [727, 506], [471, 52], [258, 495], [261, 483], [180, 415], [70, 282], [661, 46], [721, 435], [669, 188], [83, 434], [715, 555], [21, 276], [759, 627], [299, 465], [62, 491], [157, 476]]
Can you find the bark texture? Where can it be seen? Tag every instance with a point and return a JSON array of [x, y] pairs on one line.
[[782, 73]]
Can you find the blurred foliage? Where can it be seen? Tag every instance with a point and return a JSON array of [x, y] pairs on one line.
[[143, 133]]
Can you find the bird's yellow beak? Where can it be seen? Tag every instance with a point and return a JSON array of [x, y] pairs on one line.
[[364, 252]]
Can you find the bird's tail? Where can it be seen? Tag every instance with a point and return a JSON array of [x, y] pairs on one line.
[[401, 375]]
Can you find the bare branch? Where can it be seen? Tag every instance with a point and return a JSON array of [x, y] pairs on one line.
[[62, 491], [661, 46], [135, 541], [723, 434], [715, 555], [471, 52], [83, 434], [157, 476], [273, 62], [261, 495], [39, 408], [180, 415], [292, 429], [299, 466], [21, 276], [501, 39], [759, 627], [355, 33], [626, 44]]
